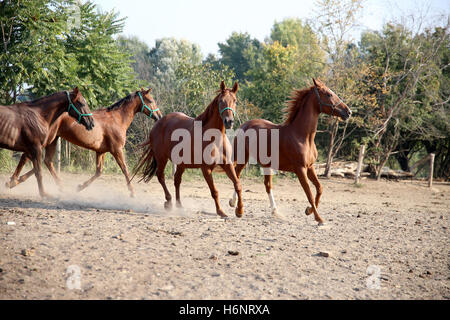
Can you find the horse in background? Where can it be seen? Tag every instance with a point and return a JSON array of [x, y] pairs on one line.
[[297, 151], [29, 126], [109, 135], [219, 115]]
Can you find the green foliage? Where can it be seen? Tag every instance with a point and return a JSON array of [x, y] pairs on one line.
[[43, 52], [197, 85], [6, 161], [396, 80], [239, 52]]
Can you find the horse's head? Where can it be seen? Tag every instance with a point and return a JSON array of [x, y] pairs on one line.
[[149, 107], [79, 109], [329, 102], [227, 104]]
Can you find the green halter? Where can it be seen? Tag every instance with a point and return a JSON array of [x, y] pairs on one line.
[[227, 108], [71, 105], [145, 106]]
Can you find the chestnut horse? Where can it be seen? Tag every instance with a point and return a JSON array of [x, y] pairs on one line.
[[161, 147], [109, 135], [29, 126], [296, 151]]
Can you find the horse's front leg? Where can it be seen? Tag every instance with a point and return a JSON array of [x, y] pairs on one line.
[[313, 177], [238, 170], [229, 170], [120, 159], [98, 172], [14, 181], [207, 173], [302, 177]]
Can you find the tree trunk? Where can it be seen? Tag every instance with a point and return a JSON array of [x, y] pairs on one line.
[[330, 156]]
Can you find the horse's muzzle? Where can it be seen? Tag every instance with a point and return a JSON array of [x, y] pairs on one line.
[[228, 123], [345, 114]]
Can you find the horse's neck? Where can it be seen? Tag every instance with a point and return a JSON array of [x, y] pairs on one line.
[[53, 109], [211, 118], [127, 112], [305, 122]]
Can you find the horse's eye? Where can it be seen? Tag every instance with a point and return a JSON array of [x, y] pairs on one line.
[[329, 95]]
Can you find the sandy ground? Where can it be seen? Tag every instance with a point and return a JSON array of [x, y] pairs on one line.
[[385, 240]]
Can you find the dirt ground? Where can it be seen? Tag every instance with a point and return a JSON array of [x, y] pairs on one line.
[[384, 240]]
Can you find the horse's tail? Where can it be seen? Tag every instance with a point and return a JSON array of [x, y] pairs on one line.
[[146, 164]]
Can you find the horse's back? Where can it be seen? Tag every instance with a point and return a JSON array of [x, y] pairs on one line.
[[164, 127], [258, 124]]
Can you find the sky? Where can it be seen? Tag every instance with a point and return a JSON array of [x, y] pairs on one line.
[[207, 22]]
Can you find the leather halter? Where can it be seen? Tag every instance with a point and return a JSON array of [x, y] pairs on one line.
[[321, 103]]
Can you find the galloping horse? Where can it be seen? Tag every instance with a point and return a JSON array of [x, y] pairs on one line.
[[297, 150], [160, 147], [29, 126], [109, 135]]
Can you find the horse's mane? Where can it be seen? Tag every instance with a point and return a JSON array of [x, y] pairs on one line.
[[296, 102], [205, 115], [121, 102], [41, 99]]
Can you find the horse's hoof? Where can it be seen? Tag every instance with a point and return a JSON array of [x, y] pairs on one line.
[[222, 214], [321, 223], [232, 203], [80, 187], [308, 211], [132, 195], [239, 212], [179, 205], [47, 196], [10, 184], [168, 205]]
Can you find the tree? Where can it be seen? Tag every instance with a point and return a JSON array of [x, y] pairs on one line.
[[406, 63], [334, 20], [238, 52], [104, 69], [30, 45], [140, 54], [197, 85], [283, 66], [167, 55]]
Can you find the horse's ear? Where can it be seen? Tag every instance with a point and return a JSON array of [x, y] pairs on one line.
[[315, 83], [222, 86], [149, 90], [76, 94], [235, 87]]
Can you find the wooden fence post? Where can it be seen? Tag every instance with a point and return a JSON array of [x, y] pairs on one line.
[[430, 179], [360, 161], [58, 155]]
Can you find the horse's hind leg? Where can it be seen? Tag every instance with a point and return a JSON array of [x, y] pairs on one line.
[[313, 177], [207, 173], [238, 170], [268, 184], [48, 160], [177, 181], [302, 177], [162, 180], [98, 172], [120, 159], [14, 181]]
